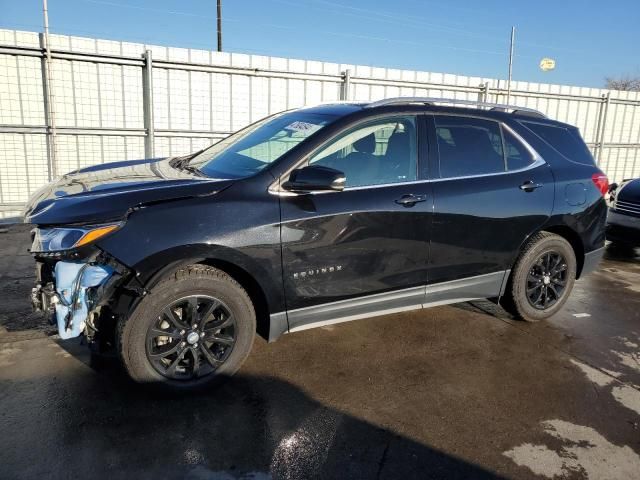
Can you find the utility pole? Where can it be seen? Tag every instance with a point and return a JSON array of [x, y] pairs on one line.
[[45, 14], [51, 124], [513, 39], [219, 25]]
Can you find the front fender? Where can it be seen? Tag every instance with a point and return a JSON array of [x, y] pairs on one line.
[[154, 268], [237, 230]]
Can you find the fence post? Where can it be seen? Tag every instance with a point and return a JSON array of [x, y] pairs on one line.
[[48, 107], [147, 105], [483, 94], [596, 138], [345, 92], [602, 124]]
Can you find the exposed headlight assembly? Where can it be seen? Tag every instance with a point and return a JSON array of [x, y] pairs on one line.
[[59, 239]]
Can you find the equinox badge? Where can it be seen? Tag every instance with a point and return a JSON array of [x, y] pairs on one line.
[[317, 271]]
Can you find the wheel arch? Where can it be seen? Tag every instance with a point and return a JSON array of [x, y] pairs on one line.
[[251, 286], [253, 277], [569, 234]]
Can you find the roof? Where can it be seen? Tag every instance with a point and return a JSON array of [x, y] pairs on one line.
[[455, 102], [336, 108], [502, 112]]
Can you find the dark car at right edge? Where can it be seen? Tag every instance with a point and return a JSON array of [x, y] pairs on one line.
[[312, 217], [623, 220]]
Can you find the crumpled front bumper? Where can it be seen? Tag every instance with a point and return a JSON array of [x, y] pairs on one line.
[[69, 296]]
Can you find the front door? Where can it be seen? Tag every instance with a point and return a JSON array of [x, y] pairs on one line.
[[370, 241], [491, 194]]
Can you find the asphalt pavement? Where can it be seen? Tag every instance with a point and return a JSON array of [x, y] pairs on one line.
[[461, 391]]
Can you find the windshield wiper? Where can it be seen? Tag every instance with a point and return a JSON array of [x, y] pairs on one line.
[[180, 162], [194, 170]]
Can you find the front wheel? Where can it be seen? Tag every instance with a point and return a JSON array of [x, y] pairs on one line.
[[193, 329], [542, 278]]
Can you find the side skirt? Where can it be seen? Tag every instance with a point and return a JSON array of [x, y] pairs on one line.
[[455, 291]]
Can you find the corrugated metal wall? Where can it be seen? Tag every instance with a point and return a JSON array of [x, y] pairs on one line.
[[98, 92]]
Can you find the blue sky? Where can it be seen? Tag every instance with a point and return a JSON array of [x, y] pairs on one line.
[[589, 40]]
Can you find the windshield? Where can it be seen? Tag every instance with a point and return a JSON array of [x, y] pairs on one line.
[[253, 148]]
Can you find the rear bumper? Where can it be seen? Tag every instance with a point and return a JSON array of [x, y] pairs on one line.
[[591, 261], [623, 228]]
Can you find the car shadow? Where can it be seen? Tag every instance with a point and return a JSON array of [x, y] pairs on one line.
[[248, 427], [622, 253], [486, 307]]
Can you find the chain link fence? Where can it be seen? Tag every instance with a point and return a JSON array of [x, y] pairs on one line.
[[85, 101]]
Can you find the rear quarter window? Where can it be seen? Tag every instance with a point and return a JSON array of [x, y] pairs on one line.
[[566, 141], [518, 157]]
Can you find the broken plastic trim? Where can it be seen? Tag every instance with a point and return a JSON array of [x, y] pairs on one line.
[[72, 279]]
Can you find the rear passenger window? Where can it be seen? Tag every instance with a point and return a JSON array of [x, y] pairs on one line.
[[518, 156], [468, 146], [565, 141]]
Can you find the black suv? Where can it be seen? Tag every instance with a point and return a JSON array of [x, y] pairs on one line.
[[312, 217]]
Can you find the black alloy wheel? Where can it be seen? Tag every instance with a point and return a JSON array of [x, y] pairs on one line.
[[191, 338], [541, 279], [547, 280]]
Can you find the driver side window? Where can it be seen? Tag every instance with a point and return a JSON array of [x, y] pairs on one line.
[[375, 153]]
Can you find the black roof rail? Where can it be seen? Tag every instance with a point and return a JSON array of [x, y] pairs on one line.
[[455, 102]]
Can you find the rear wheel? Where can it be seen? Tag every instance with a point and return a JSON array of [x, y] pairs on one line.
[[193, 329], [542, 278]]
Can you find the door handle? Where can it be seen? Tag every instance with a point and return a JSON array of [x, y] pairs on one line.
[[410, 200], [529, 186]]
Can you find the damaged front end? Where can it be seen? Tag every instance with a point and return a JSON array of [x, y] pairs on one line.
[[75, 280]]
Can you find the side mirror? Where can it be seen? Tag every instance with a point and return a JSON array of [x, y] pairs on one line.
[[315, 178], [613, 187]]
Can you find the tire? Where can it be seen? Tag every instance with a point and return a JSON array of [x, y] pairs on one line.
[[209, 321], [528, 278]]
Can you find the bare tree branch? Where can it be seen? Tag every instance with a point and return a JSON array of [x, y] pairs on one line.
[[627, 83]]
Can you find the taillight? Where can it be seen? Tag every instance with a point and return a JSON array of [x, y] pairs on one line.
[[601, 182]]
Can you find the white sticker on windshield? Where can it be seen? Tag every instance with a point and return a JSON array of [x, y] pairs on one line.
[[302, 127]]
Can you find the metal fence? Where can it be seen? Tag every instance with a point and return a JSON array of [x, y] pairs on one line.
[[84, 101]]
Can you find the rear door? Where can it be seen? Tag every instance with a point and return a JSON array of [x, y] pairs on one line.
[[491, 191], [369, 242]]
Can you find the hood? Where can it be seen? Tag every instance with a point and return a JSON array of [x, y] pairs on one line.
[[629, 191], [108, 191]]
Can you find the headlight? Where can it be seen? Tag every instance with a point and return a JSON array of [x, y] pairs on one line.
[[58, 239]]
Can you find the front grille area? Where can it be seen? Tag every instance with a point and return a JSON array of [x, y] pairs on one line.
[[628, 208]]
